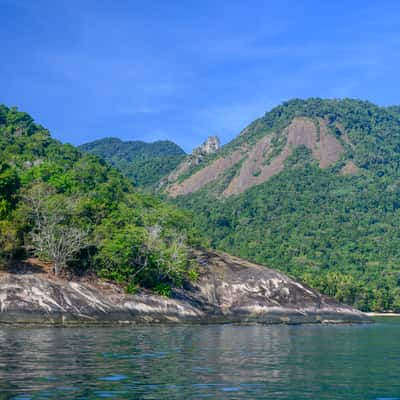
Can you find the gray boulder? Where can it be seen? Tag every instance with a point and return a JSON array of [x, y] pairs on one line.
[[229, 290]]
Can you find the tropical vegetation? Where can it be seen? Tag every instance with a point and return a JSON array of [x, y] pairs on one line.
[[338, 233], [144, 163], [80, 214]]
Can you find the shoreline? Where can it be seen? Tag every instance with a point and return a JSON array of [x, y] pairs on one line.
[[228, 290], [382, 314]]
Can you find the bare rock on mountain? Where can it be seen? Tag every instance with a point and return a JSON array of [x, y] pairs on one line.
[[205, 175], [258, 162], [349, 168], [325, 148], [210, 146]]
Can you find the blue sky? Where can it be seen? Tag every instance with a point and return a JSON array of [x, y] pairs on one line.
[[183, 70]]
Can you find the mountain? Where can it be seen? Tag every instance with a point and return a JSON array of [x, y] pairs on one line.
[[74, 232], [193, 160], [311, 188], [394, 109], [144, 163]]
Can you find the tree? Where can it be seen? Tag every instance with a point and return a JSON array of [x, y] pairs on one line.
[[9, 183], [76, 211], [142, 255], [166, 253], [58, 243], [8, 242], [53, 236]]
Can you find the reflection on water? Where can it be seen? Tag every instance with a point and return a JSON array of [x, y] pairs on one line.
[[196, 362]]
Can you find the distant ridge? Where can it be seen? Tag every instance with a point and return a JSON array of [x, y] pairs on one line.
[[144, 163], [316, 130]]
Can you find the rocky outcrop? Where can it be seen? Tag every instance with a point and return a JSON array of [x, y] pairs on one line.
[[210, 146], [325, 148], [206, 175], [228, 290], [264, 159], [349, 168]]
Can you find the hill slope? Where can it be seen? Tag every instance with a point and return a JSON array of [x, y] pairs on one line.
[[81, 214], [144, 163], [349, 134], [73, 213], [310, 188]]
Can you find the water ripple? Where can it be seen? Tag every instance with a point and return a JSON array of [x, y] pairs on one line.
[[196, 362]]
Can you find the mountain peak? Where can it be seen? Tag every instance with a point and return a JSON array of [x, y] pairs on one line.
[[211, 145], [326, 133]]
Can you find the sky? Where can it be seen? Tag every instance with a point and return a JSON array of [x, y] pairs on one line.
[[184, 70]]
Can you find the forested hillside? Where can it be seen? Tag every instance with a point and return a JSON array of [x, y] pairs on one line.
[[81, 214], [394, 109], [333, 223], [312, 188], [144, 163]]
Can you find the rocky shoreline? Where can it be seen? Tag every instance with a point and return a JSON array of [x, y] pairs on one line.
[[382, 314], [229, 290]]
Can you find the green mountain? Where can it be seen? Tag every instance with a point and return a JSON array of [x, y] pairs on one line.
[[311, 188], [394, 109], [144, 163], [81, 215]]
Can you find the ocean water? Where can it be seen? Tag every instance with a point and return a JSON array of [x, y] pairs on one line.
[[202, 362]]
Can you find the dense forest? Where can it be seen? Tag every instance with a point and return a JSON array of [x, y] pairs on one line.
[[394, 109], [144, 163], [339, 233], [82, 215]]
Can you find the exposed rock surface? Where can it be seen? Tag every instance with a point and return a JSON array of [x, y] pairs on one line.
[[261, 161], [228, 290], [326, 149], [210, 146], [205, 175], [349, 168]]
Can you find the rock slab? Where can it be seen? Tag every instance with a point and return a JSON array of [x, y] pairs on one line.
[[229, 290]]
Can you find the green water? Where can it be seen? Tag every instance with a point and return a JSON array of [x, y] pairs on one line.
[[202, 362]]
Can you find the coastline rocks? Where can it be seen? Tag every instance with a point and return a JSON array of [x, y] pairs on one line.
[[229, 290]]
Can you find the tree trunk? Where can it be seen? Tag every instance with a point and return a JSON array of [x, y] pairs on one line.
[[57, 268]]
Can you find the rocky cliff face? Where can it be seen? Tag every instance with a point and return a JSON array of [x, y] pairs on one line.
[[228, 290], [210, 146], [258, 162]]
